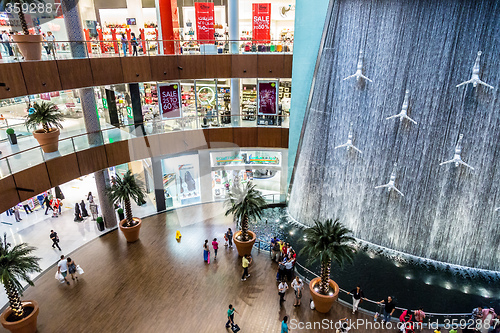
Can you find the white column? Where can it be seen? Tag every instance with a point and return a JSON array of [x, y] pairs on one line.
[[134, 10], [234, 33]]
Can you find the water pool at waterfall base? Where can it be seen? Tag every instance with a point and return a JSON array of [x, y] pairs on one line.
[[413, 283]]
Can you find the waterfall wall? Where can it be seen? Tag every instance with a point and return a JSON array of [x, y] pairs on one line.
[[427, 47]]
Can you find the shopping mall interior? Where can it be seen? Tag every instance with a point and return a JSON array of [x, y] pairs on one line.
[[381, 171]]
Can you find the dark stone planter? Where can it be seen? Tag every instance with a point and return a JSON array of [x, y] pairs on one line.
[[12, 138]]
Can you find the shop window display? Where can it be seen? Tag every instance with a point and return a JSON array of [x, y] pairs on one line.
[[224, 100], [249, 99]]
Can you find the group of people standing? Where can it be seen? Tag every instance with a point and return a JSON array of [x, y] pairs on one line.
[[133, 42]]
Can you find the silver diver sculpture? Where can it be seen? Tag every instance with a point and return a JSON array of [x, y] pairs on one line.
[[349, 144], [359, 70], [404, 110], [457, 159], [475, 80], [390, 185]]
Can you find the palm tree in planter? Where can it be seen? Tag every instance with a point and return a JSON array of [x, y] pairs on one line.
[[16, 263], [123, 190], [29, 45], [246, 203], [48, 116], [325, 242]]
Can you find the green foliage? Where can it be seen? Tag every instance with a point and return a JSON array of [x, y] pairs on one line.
[[328, 241], [9, 131], [125, 189], [120, 210], [245, 202], [16, 264], [100, 220], [47, 115]]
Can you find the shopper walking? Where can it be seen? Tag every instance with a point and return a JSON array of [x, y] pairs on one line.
[[215, 245], [55, 239], [133, 43], [284, 325], [51, 44], [230, 316], [90, 198], [78, 214], [62, 268], [297, 286], [72, 268], [357, 296], [6, 43], [206, 251], [124, 45], [83, 209], [27, 207], [419, 315], [16, 214], [46, 202], [229, 235], [245, 262], [282, 288], [389, 308]]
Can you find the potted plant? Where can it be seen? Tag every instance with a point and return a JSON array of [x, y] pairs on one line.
[[121, 215], [325, 242], [100, 223], [48, 116], [29, 45], [12, 136], [17, 263], [123, 190], [244, 202]]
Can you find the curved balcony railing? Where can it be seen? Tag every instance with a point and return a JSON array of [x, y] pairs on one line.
[[59, 50], [34, 155], [371, 307]]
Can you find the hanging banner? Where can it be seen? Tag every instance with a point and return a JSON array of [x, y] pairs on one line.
[[261, 22], [267, 93], [205, 21], [169, 98]]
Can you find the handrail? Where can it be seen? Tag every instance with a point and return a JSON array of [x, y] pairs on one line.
[[106, 48], [138, 130], [428, 314]]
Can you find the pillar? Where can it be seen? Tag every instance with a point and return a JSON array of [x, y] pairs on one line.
[[134, 9], [92, 124], [112, 108], [74, 28], [168, 25], [234, 32], [135, 97], [158, 184]]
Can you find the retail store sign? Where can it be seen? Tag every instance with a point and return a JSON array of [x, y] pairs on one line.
[[104, 103], [261, 22], [169, 98], [129, 112], [205, 22], [267, 98]]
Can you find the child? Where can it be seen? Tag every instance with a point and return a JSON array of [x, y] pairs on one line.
[[225, 240], [215, 245], [343, 325]]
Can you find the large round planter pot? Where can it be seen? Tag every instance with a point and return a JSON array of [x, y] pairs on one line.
[[25, 325], [244, 247], [131, 233], [30, 46], [323, 303], [48, 141]]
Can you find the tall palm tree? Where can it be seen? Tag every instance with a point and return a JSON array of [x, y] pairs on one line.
[[123, 190], [16, 263], [325, 242], [46, 114], [246, 203], [19, 4]]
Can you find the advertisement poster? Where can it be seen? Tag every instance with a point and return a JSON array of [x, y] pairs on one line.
[[45, 96], [267, 96], [205, 21], [169, 98], [261, 22], [189, 187]]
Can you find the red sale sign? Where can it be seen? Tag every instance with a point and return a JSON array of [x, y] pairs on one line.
[[261, 22], [169, 97], [205, 22]]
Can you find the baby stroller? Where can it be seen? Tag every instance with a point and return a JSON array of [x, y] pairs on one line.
[[406, 324]]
